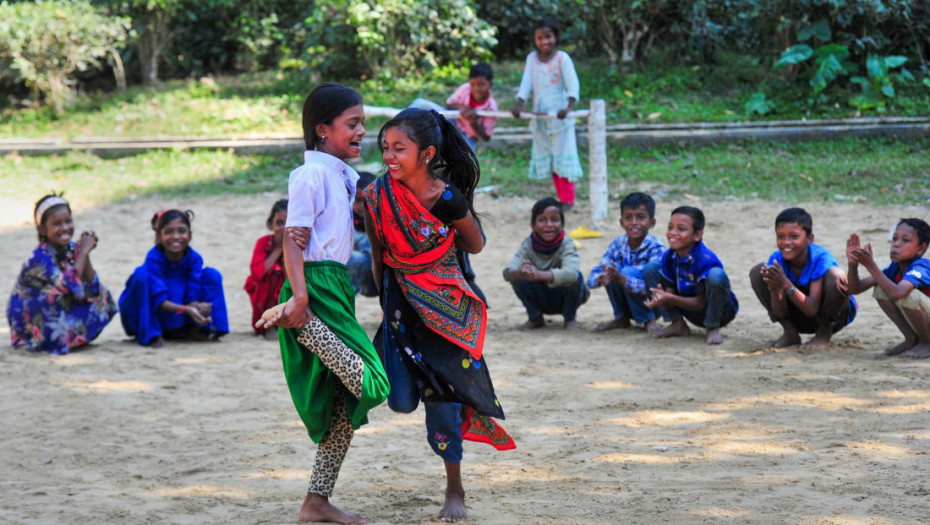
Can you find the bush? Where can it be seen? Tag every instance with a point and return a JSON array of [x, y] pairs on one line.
[[45, 43]]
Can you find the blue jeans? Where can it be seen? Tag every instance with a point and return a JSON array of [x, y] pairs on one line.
[[540, 298], [360, 267], [720, 309], [626, 303], [443, 420]]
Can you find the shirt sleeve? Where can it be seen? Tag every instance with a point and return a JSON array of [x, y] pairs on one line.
[[194, 289], [157, 287], [451, 206], [568, 272], [608, 259], [460, 95], [918, 274], [516, 263], [570, 77], [306, 197], [526, 81]]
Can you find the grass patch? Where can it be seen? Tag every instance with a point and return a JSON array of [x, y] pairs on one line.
[[875, 170]]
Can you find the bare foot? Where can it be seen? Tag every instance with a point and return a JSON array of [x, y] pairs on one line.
[[317, 508], [818, 341], [620, 322], [653, 327], [713, 337], [572, 325], [897, 349], [269, 314], [271, 334], [533, 324], [454, 509], [678, 328], [158, 342], [921, 351], [787, 339]]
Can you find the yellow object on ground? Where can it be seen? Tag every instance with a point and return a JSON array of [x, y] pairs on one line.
[[583, 233]]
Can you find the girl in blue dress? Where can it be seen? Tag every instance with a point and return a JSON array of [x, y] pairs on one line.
[[172, 296], [58, 303]]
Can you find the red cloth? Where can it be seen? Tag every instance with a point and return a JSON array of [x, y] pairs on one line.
[[420, 249], [483, 429], [264, 288]]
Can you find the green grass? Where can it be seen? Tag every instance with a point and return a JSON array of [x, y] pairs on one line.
[[876, 171], [270, 102]]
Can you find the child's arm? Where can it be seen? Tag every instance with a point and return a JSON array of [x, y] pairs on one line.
[[82, 263], [662, 297], [895, 291], [779, 284], [572, 84], [468, 236], [855, 283]]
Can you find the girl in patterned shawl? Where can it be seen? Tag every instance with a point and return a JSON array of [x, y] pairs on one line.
[[58, 303], [434, 324]]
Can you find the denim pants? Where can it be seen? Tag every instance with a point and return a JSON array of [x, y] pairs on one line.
[[540, 298], [360, 267], [720, 310], [443, 420], [626, 303]]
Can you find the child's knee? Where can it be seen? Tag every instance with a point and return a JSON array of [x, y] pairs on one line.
[[717, 277], [632, 271], [755, 275], [212, 277], [915, 300]]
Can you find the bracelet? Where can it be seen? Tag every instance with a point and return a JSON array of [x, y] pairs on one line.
[[182, 310], [790, 291]]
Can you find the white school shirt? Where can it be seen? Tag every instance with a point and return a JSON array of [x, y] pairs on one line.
[[320, 195]]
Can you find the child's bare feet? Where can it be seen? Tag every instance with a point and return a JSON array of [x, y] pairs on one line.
[[317, 508], [533, 324], [158, 342], [572, 325], [620, 322], [653, 327], [898, 348], [787, 339], [678, 328], [920, 351], [270, 314], [820, 340], [713, 337], [454, 508]]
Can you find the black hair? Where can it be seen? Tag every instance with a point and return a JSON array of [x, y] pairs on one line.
[[45, 214], [162, 218], [364, 179], [541, 206], [697, 216], [481, 70], [326, 102], [637, 199], [797, 216], [550, 23], [920, 226], [281, 205], [455, 161]]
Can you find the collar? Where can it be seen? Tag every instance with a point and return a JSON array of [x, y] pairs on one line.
[[349, 175], [691, 253]]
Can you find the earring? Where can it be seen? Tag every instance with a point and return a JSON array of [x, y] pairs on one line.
[[427, 160], [322, 140]]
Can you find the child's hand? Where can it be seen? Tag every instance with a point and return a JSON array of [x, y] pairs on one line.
[[517, 109], [774, 276], [87, 242], [198, 317], [852, 244], [204, 308], [659, 297], [530, 273], [279, 237], [300, 235], [863, 254], [611, 274], [468, 113], [563, 112], [293, 315]]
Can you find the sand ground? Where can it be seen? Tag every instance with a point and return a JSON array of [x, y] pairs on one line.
[[612, 427]]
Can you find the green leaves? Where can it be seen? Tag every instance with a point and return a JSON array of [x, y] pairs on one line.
[[758, 104], [794, 55]]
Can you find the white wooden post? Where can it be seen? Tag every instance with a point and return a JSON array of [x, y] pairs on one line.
[[597, 160]]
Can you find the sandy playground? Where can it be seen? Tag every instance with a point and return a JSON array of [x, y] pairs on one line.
[[611, 427]]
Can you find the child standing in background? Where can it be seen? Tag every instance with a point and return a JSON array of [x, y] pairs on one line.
[[621, 268], [903, 288], [172, 295], [58, 304], [470, 97], [546, 271], [689, 281], [550, 75], [267, 268]]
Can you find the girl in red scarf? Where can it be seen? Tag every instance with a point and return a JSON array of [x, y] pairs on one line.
[[264, 283], [434, 324]]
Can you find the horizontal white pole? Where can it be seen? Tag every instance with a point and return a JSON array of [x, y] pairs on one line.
[[376, 111]]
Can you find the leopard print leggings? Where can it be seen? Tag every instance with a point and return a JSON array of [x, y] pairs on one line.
[[349, 368]]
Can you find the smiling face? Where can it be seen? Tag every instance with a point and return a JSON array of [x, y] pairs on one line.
[[403, 157], [480, 88], [548, 224], [681, 235], [344, 135], [793, 243], [905, 245], [545, 41], [636, 222], [174, 238], [58, 227]]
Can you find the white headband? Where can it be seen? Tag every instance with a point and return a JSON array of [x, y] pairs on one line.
[[46, 204]]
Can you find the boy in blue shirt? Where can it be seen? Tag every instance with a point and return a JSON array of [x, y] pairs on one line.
[[903, 288], [801, 285], [689, 282], [620, 270]]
